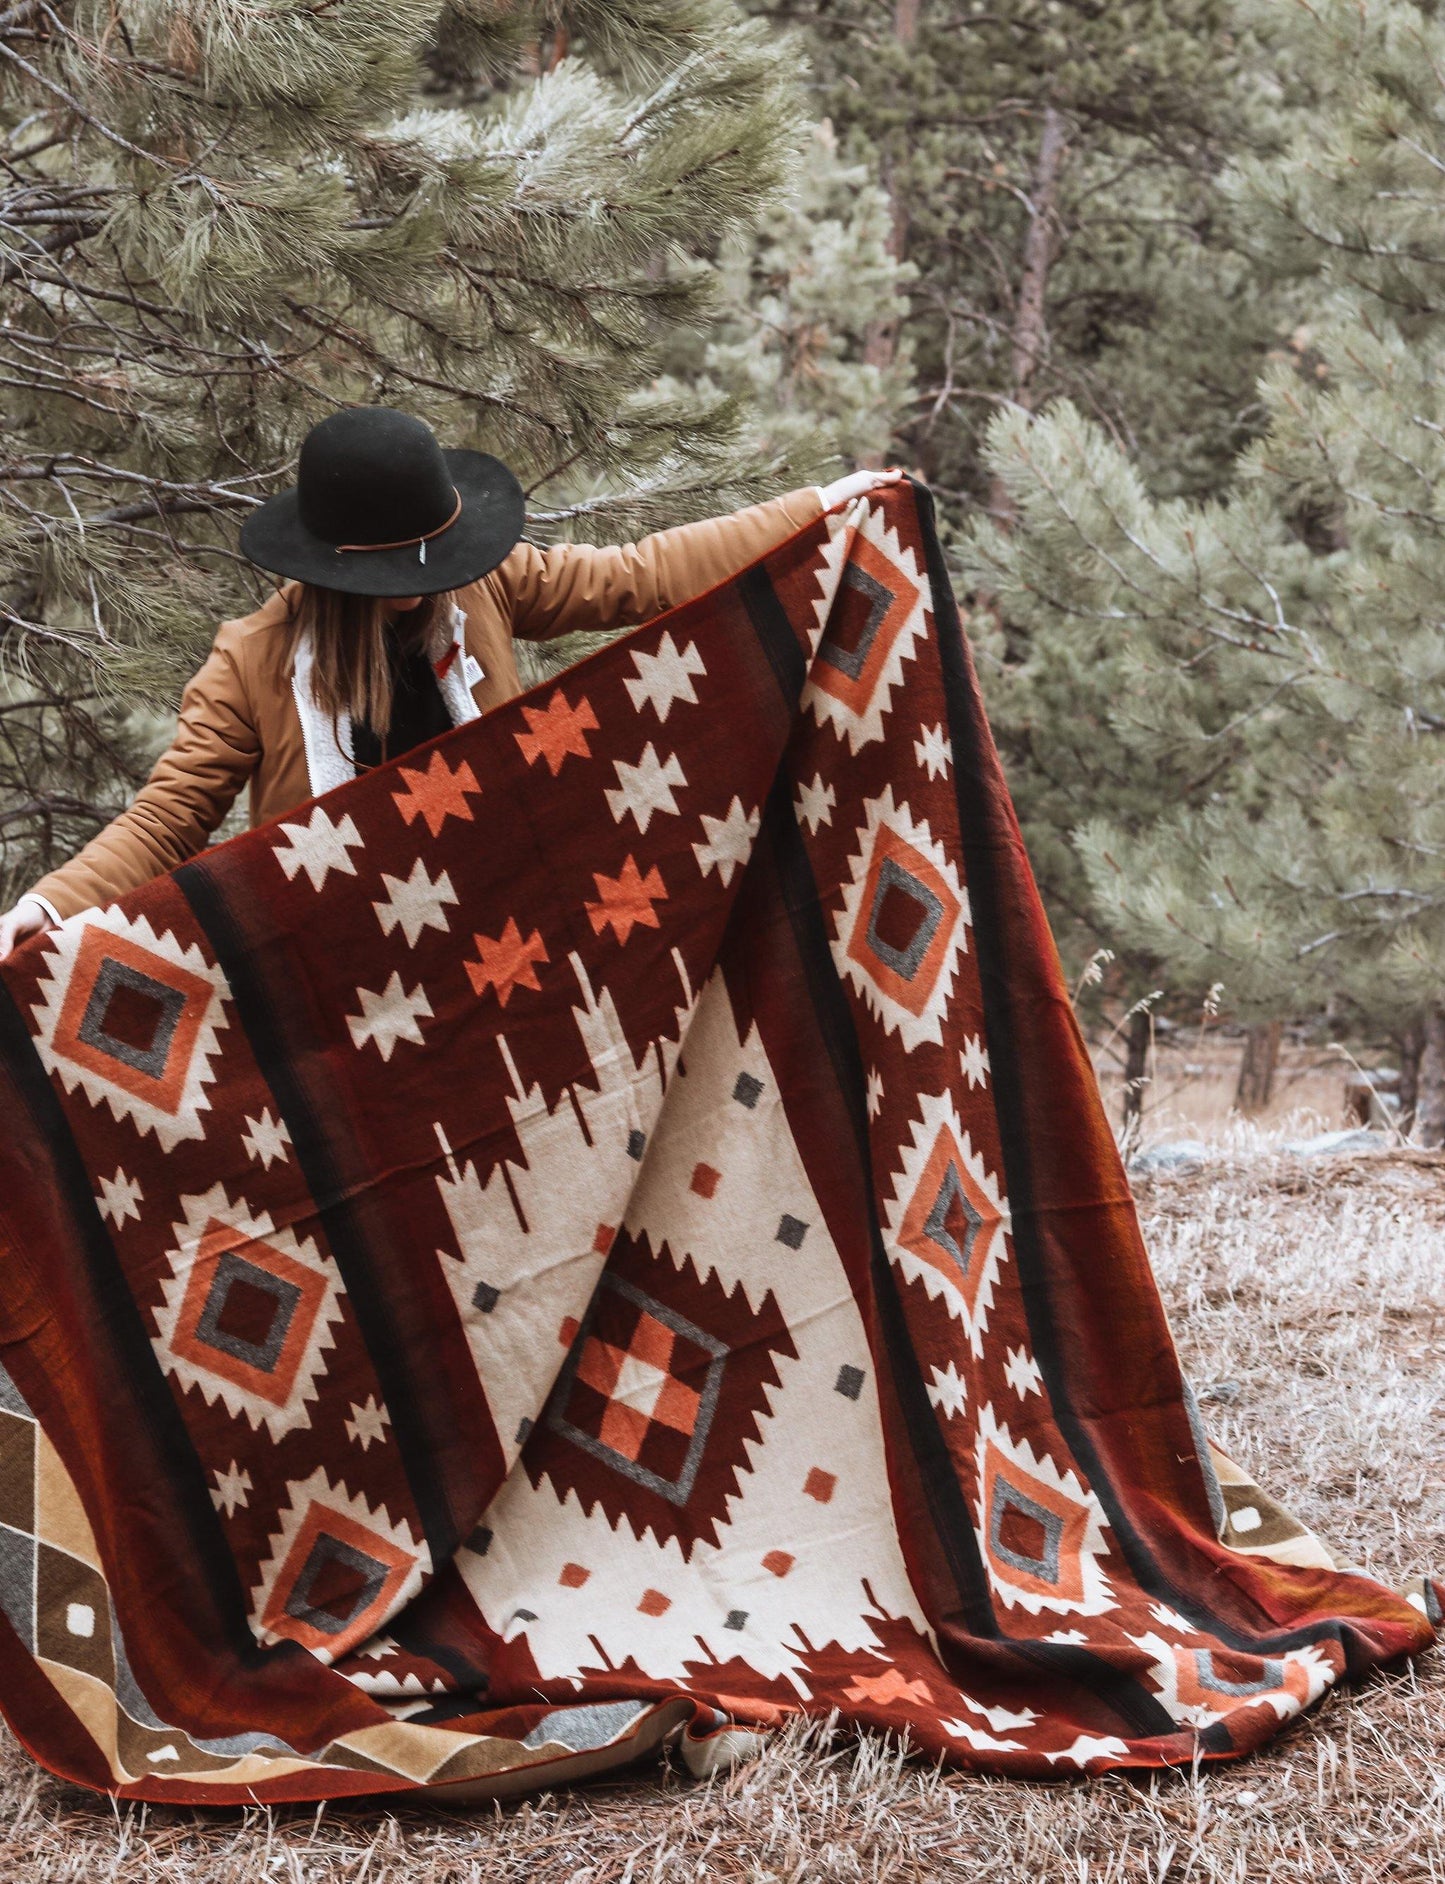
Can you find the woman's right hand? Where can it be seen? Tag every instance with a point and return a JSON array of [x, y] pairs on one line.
[[28, 918]]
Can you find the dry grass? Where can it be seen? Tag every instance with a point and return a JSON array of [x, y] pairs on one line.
[[1309, 1299]]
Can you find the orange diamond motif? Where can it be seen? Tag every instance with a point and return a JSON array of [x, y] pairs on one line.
[[820, 1484], [875, 602], [626, 900], [951, 1222], [247, 1312], [1035, 1532], [506, 962], [907, 922], [883, 1690], [557, 730], [437, 794], [336, 1581], [132, 1017]]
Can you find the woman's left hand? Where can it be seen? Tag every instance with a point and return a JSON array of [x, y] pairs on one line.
[[856, 484]]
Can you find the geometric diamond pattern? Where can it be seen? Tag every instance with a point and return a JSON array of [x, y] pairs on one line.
[[130, 1017], [337, 1570], [665, 1380], [1200, 1686], [901, 928], [247, 1312], [643, 1400], [1040, 1530], [872, 612], [947, 1225], [1029, 1536]]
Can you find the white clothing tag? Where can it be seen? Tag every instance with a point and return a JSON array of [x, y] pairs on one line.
[[473, 670]]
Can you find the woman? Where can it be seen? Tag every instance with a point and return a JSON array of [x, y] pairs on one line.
[[408, 582]]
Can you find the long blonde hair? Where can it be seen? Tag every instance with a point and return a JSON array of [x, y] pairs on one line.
[[350, 637]]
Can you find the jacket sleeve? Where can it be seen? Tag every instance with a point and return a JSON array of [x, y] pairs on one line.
[[574, 586], [195, 781]]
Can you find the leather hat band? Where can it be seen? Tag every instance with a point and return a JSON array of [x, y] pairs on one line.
[[405, 542]]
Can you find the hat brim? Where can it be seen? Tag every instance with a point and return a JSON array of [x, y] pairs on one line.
[[490, 524]]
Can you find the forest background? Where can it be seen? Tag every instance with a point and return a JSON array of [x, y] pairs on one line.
[[1151, 292]]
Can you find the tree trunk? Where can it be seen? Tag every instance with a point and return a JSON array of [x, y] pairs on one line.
[[1136, 1066], [1430, 1093], [1256, 1069], [1030, 328], [881, 340], [1412, 1045]]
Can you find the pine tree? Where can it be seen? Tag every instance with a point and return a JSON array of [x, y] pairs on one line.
[[1280, 656], [222, 221], [1053, 170], [1051, 167], [798, 301]]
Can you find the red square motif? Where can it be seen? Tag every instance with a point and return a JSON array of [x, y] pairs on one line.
[[820, 1485]]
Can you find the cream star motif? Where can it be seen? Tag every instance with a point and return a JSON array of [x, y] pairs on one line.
[[1069, 1637], [645, 787], [318, 847], [875, 1092], [1000, 1718], [1023, 1373], [666, 676], [414, 903], [947, 1390], [934, 751], [1090, 1746], [1168, 1618], [389, 1016], [815, 803], [979, 1738], [974, 1061], [266, 1139], [729, 841], [118, 1197], [367, 1423], [230, 1488], [378, 1648]]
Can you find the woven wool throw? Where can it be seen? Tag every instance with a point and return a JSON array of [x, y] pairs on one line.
[[606, 1229]]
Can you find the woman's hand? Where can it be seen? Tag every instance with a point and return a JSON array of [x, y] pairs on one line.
[[856, 484], [28, 918]]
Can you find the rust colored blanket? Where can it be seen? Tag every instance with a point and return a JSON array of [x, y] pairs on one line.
[[604, 1227]]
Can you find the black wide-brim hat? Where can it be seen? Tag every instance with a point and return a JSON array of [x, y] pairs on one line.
[[381, 508]]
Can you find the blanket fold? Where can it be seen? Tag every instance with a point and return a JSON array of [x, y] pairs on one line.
[[606, 1227]]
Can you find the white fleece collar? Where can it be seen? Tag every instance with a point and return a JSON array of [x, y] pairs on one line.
[[329, 756]]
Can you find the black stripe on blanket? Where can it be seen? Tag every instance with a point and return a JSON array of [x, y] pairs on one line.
[[948, 1507], [969, 733], [310, 1136], [153, 1408]]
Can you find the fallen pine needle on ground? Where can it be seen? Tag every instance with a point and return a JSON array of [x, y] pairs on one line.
[[1308, 1299]]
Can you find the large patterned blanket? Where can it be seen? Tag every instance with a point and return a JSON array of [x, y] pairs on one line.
[[606, 1229]]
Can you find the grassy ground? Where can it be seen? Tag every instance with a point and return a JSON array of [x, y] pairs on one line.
[[1308, 1296]]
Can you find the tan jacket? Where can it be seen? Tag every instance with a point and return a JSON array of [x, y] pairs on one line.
[[241, 716]]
